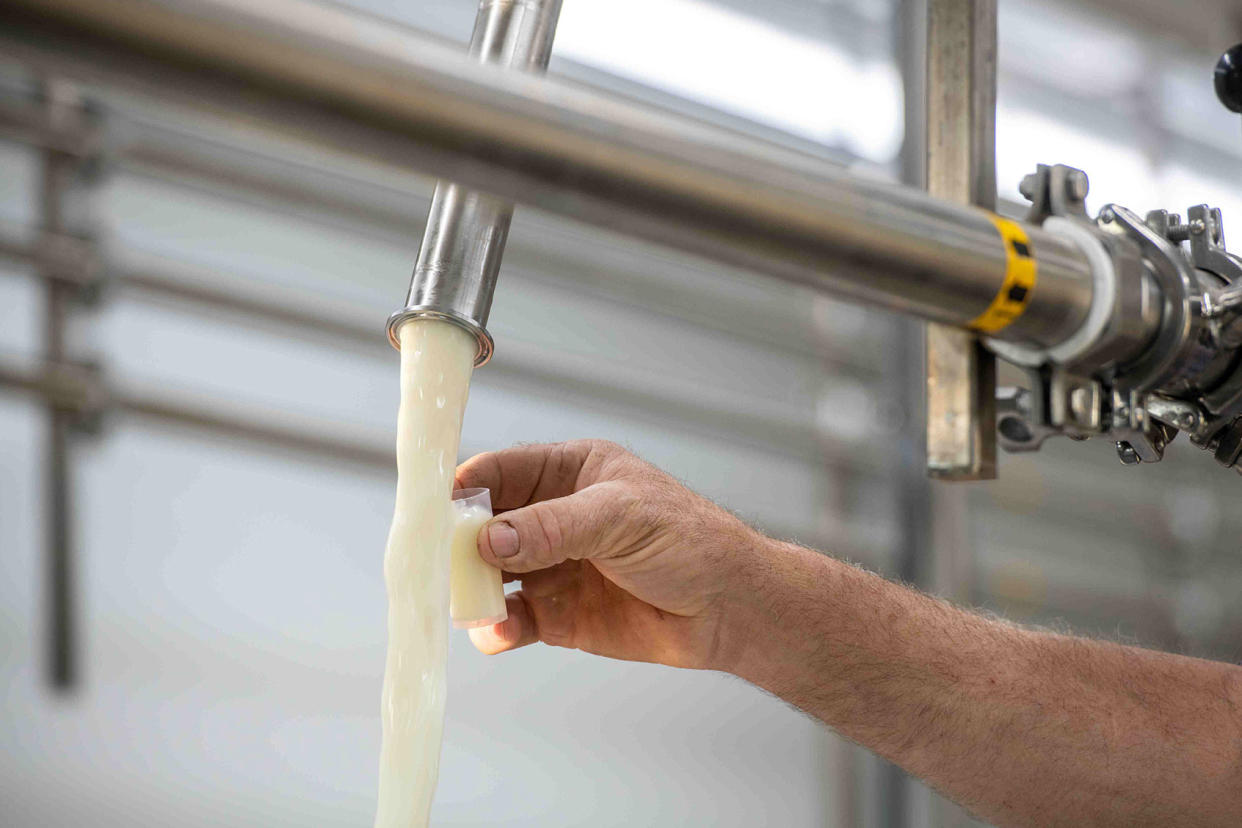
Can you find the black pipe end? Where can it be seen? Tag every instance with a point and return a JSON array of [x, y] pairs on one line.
[[1229, 79]]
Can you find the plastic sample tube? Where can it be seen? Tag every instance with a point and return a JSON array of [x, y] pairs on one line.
[[477, 596]]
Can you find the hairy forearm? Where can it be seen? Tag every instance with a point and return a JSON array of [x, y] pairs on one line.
[[1022, 727]]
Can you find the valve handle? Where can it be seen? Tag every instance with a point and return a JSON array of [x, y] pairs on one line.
[[1229, 79]]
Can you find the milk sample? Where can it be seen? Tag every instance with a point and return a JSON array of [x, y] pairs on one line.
[[437, 359], [477, 592]]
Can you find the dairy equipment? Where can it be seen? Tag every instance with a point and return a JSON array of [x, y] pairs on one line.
[[1136, 336], [1128, 333]]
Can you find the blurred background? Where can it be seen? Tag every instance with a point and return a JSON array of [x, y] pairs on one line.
[[225, 514]]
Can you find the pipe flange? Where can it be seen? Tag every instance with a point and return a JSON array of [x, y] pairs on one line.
[[485, 346], [1174, 349]]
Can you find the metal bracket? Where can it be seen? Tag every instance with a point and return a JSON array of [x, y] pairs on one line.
[[961, 166], [1141, 437], [79, 390], [1022, 418], [73, 261], [1056, 190], [1056, 403], [1205, 232]]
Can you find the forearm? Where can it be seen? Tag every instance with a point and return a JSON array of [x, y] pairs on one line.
[[1022, 727]]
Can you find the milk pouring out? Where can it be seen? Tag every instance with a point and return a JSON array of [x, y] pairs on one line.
[[428, 533]]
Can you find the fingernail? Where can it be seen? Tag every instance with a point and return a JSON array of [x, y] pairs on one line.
[[503, 539]]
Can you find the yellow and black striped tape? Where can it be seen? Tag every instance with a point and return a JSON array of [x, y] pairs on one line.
[[1021, 274]]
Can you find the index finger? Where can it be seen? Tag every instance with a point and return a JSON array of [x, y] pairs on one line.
[[528, 474]]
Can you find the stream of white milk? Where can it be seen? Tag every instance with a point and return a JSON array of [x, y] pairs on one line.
[[437, 359]]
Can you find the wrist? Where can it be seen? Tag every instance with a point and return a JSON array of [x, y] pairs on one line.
[[763, 608]]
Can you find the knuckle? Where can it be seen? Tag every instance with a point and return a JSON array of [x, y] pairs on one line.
[[625, 520], [645, 515], [548, 531], [562, 465], [631, 502], [558, 638], [605, 447], [474, 469], [559, 469], [606, 460]]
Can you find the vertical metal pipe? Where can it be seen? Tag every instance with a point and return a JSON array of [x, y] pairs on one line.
[[459, 261], [56, 178], [913, 511], [61, 618], [912, 514], [961, 57], [961, 167]]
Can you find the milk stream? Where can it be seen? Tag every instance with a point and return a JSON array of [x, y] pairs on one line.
[[436, 362]]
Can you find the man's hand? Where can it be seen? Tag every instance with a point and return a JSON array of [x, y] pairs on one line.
[[1022, 727], [615, 556]]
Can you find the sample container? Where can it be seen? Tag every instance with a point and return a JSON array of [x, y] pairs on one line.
[[477, 593]]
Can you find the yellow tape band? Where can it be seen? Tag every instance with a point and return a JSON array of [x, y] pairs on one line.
[[1021, 273]]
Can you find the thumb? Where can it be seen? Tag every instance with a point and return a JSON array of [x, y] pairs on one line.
[[597, 522]]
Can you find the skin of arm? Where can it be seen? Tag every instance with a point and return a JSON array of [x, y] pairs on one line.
[[1020, 726]]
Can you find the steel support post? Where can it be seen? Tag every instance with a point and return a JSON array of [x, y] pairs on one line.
[[961, 167], [911, 515], [961, 67], [57, 218]]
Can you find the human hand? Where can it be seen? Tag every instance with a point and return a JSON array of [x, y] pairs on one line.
[[615, 556]]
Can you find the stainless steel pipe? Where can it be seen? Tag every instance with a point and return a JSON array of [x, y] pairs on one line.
[[360, 85], [459, 261]]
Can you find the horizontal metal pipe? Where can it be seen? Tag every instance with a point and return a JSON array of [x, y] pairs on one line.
[[71, 388], [362, 85], [751, 419], [271, 431], [770, 426]]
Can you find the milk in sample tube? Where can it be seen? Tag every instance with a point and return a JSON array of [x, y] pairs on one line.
[[477, 596], [437, 359]]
